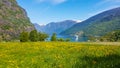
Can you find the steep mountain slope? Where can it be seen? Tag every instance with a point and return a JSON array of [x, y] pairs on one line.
[[13, 20], [55, 27], [97, 25]]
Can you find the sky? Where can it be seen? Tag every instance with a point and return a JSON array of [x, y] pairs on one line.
[[46, 11]]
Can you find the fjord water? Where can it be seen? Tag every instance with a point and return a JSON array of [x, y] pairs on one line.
[[72, 38]]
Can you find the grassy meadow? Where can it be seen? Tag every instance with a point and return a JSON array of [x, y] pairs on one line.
[[59, 55]]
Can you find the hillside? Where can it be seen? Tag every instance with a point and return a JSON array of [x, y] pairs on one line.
[[13, 20], [97, 25], [55, 27]]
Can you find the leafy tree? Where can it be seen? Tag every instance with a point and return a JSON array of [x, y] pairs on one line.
[[24, 36], [67, 40], [60, 39], [53, 37], [33, 36], [42, 36]]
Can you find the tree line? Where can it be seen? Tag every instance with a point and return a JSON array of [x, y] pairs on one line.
[[35, 36], [113, 36]]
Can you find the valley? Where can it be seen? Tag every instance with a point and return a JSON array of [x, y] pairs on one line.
[[72, 37]]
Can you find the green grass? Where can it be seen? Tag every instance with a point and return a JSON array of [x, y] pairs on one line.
[[59, 55]]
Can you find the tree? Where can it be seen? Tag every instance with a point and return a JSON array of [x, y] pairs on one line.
[[33, 36], [60, 39], [42, 36], [67, 40], [115, 36], [24, 36], [53, 37]]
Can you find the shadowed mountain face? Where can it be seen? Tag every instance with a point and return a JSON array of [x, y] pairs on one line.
[[13, 20], [55, 27], [97, 25]]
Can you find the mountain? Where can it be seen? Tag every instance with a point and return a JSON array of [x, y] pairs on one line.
[[38, 27], [97, 25], [55, 27], [13, 20]]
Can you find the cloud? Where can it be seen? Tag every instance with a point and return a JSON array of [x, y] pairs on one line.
[[112, 0], [52, 1], [108, 1]]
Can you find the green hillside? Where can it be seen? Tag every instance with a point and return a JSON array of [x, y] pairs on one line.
[[97, 25]]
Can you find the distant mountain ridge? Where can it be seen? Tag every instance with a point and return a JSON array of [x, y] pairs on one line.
[[13, 20], [97, 25], [55, 27]]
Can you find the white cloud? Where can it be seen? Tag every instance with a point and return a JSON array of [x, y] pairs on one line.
[[108, 1], [52, 1]]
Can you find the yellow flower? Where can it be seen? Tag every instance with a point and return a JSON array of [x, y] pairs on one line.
[[94, 62]]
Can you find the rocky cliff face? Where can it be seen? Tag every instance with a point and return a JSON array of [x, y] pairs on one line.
[[13, 20]]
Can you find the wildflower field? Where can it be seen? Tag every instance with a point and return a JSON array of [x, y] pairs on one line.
[[59, 55]]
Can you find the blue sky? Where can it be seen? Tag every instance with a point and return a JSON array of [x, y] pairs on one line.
[[46, 11]]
